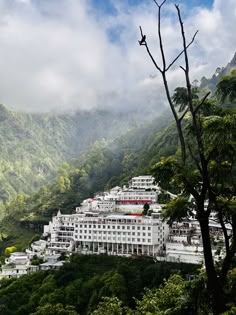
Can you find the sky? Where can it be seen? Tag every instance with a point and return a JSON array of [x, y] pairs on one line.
[[81, 54]]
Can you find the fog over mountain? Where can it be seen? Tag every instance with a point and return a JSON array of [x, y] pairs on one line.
[[69, 54]]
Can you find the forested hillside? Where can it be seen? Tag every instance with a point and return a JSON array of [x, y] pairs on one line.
[[32, 146], [84, 281]]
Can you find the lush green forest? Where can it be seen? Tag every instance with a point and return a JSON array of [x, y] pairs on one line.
[[33, 146], [85, 281]]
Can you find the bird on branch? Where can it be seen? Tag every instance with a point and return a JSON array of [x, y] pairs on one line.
[[143, 40]]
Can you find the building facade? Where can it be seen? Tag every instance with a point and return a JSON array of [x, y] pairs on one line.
[[112, 234]]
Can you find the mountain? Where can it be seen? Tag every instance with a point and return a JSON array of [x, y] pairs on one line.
[[32, 146], [211, 83]]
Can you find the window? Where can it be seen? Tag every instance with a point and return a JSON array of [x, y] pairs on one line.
[[144, 228], [133, 227], [138, 227], [149, 228], [123, 227]]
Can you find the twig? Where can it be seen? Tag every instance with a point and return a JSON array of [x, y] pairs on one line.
[[171, 64]]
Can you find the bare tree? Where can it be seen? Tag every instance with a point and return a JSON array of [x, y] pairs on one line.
[[205, 190]]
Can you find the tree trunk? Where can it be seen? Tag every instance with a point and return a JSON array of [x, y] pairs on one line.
[[213, 284]]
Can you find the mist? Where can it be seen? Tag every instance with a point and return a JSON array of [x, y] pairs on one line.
[[66, 54]]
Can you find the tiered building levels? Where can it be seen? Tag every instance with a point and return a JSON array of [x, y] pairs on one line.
[[113, 234]]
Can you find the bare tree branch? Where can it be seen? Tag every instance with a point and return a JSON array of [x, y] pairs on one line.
[[202, 102], [159, 5], [148, 50], [181, 53], [182, 117], [194, 159], [160, 38]]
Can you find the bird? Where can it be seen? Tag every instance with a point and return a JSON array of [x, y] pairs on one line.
[[143, 40]]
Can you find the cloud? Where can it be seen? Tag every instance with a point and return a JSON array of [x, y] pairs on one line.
[[62, 54]]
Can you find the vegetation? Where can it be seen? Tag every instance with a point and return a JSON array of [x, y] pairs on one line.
[[33, 146], [84, 282]]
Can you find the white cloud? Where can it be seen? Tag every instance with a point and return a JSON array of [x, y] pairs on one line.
[[62, 54]]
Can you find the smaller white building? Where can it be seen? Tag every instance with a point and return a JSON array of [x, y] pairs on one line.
[[15, 266], [142, 182]]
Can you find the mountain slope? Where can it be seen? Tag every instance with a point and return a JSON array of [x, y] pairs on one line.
[[32, 146]]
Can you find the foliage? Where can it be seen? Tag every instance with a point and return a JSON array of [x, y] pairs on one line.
[[57, 309], [170, 298], [176, 210], [226, 88], [84, 282], [110, 306], [33, 146], [10, 250]]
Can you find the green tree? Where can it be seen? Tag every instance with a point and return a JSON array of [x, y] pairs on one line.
[[226, 88], [171, 298], [109, 305], [207, 150], [145, 208], [57, 309], [10, 250]]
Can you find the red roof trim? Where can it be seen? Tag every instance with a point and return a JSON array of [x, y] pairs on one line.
[[135, 200]]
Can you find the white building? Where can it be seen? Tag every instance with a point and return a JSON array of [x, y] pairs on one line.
[[15, 266], [114, 234], [142, 182]]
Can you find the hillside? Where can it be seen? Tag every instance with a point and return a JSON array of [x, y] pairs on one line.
[[101, 166], [32, 146]]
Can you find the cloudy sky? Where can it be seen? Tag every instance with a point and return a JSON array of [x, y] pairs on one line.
[[62, 54]]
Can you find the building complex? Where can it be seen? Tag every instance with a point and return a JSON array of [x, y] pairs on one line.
[[115, 223]]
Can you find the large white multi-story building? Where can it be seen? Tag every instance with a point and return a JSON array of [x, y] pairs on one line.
[[113, 234]]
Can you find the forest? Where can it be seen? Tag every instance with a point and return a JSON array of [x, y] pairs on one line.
[[85, 281]]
